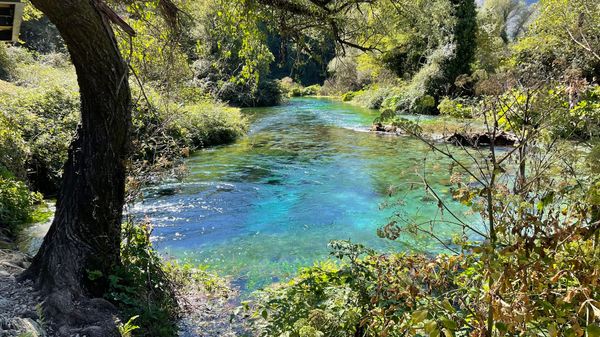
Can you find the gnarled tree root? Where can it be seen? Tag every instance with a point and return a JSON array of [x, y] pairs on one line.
[[71, 316]]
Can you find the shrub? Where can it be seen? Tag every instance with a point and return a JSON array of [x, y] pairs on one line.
[[20, 56], [583, 119], [209, 123], [164, 133], [6, 63], [424, 105], [153, 290], [293, 89], [289, 87], [374, 97], [371, 294], [140, 286], [318, 302], [16, 203], [366, 295], [347, 97], [398, 103], [268, 94], [46, 119], [55, 60], [345, 76], [13, 152], [312, 90], [295, 92], [454, 108]]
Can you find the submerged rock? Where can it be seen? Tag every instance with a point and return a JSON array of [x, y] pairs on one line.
[[167, 191]]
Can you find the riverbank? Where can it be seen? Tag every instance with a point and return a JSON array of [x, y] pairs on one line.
[[20, 313], [208, 302], [438, 128]]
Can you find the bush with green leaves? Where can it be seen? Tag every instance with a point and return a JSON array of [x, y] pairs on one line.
[[150, 292], [295, 92], [164, 126], [13, 151], [348, 96], [375, 97], [424, 105], [371, 294], [140, 287], [583, 118], [16, 203], [311, 90], [45, 119], [318, 302], [6, 63], [344, 76], [454, 108], [289, 87], [208, 123], [292, 89], [364, 294]]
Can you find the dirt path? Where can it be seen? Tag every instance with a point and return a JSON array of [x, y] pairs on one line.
[[19, 305]]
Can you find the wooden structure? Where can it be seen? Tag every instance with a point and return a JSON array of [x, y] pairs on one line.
[[11, 15]]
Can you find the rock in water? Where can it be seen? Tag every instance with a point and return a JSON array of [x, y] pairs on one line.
[[482, 139], [378, 127]]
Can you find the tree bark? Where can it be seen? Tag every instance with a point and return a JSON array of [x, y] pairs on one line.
[[85, 234]]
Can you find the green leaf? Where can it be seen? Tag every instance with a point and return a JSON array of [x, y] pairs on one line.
[[431, 328], [448, 306], [593, 331], [449, 324], [419, 316], [93, 275]]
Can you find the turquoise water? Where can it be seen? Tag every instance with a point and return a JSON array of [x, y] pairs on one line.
[[308, 172]]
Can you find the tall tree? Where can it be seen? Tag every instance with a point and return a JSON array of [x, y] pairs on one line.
[[465, 38], [85, 233]]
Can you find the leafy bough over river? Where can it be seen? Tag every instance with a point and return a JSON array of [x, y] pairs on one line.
[[308, 172]]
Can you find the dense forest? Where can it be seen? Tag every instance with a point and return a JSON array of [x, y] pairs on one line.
[[103, 101]]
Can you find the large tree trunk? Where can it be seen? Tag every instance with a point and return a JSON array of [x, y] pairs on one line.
[[85, 234]]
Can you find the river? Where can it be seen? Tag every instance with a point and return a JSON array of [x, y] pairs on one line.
[[307, 172]]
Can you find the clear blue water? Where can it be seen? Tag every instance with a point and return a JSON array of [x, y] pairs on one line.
[[308, 172]]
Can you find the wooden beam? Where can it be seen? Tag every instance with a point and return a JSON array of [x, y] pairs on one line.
[[15, 28], [18, 19]]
